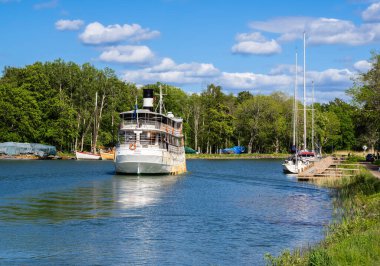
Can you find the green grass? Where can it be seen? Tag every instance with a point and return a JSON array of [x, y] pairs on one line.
[[355, 239]]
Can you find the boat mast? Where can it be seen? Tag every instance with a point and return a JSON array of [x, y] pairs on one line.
[[160, 104], [312, 118], [295, 109], [304, 91]]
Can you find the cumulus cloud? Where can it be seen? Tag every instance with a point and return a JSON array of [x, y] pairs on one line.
[[284, 69], [64, 24], [362, 66], [8, 1], [128, 54], [95, 33], [372, 13], [331, 78], [168, 71], [46, 5], [280, 78], [255, 43], [249, 80], [320, 30]]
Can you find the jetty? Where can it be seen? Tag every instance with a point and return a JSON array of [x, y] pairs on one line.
[[328, 167]]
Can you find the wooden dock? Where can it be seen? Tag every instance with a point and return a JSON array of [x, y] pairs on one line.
[[328, 167]]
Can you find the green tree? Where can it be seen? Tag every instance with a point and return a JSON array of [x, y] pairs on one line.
[[366, 96]]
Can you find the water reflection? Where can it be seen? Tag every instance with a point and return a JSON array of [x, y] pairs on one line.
[[103, 199]]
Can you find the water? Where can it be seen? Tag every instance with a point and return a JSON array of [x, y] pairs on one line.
[[220, 213]]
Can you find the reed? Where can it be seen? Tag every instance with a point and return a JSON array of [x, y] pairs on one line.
[[355, 238]]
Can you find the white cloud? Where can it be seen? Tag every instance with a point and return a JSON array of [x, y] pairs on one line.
[[95, 33], [331, 78], [64, 24], [320, 30], [362, 66], [8, 1], [46, 5], [166, 64], [168, 71], [285, 69], [372, 13], [249, 80], [254, 36], [127, 54], [255, 43], [280, 78]]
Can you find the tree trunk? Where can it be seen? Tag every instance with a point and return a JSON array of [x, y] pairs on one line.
[[98, 119], [76, 137], [277, 145], [250, 144]]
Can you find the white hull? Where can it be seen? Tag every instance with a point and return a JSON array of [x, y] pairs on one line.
[[293, 168], [148, 161], [86, 156]]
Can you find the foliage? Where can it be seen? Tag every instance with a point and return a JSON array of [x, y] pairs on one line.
[[366, 96], [355, 240], [73, 106]]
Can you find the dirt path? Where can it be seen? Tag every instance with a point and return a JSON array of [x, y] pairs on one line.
[[374, 169]]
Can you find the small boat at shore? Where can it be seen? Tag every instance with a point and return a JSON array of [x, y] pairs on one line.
[[82, 155], [107, 155]]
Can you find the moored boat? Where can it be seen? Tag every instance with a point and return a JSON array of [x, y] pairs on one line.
[[81, 155], [150, 142], [107, 155]]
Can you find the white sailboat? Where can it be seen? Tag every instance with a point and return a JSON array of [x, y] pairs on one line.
[[300, 160]]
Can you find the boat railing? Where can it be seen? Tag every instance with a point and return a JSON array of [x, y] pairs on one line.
[[149, 124]]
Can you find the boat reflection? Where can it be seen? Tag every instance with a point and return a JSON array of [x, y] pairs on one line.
[[141, 191], [114, 197]]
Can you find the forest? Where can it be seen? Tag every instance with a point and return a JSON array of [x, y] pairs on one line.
[[76, 107]]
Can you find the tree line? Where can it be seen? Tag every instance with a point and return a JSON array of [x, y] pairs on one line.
[[76, 107]]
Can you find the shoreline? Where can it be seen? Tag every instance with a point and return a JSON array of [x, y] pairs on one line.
[[244, 156], [355, 238]]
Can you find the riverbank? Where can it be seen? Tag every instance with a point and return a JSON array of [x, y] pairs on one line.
[[71, 156], [355, 239], [237, 156]]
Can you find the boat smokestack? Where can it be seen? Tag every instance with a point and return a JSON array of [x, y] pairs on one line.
[[148, 99]]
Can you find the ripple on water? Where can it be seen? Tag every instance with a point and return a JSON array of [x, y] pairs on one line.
[[221, 212]]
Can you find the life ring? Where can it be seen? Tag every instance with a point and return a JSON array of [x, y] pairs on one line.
[[132, 146]]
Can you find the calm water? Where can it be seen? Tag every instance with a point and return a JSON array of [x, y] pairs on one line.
[[220, 213]]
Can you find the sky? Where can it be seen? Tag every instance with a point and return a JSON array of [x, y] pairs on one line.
[[240, 45]]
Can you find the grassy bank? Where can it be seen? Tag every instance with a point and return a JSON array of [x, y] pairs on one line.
[[355, 240], [238, 156]]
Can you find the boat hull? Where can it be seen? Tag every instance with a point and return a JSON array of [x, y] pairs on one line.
[[291, 168], [158, 162], [107, 156], [86, 156]]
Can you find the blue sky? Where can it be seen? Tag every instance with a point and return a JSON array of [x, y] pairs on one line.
[[240, 45]]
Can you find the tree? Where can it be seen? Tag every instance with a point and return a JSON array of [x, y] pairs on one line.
[[366, 96]]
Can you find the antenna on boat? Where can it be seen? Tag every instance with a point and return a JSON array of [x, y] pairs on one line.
[[161, 101], [304, 90]]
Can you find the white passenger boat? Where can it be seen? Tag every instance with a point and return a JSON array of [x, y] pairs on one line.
[[150, 142], [81, 155]]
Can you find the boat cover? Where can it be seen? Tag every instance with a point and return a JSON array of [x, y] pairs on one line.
[[16, 148]]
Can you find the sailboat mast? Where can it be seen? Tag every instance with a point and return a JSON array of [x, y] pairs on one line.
[[295, 111], [160, 104], [312, 118], [304, 91]]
